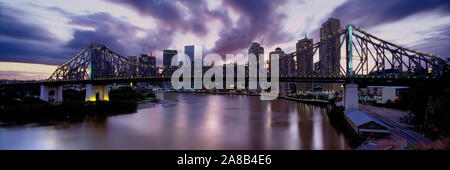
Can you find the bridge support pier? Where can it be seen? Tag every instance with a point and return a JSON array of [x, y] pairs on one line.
[[57, 93], [351, 96], [93, 90]]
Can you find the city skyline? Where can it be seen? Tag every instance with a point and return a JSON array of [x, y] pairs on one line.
[[60, 30]]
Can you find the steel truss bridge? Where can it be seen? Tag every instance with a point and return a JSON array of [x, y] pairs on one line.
[[367, 59], [367, 56]]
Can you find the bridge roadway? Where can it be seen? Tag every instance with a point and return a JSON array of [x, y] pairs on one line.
[[358, 79]]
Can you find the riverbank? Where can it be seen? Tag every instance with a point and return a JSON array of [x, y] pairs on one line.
[[399, 130], [400, 136], [307, 101], [337, 120], [27, 113], [123, 100]]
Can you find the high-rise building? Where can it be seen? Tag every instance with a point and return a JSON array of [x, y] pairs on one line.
[[330, 53], [133, 59], [256, 49], [281, 55], [152, 60], [189, 51], [133, 66], [167, 57], [144, 59], [283, 66], [304, 62], [304, 56]]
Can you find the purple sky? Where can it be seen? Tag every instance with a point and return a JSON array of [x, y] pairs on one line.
[[51, 32]]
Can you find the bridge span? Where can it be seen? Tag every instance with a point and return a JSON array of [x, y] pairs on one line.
[[369, 60]]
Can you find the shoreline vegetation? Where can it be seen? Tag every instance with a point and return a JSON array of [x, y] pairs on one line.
[[123, 100]]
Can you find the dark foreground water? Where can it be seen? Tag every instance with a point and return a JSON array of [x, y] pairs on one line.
[[189, 121]]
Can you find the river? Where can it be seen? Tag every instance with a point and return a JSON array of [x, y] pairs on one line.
[[189, 121]]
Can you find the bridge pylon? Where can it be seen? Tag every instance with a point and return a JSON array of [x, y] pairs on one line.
[[97, 92]]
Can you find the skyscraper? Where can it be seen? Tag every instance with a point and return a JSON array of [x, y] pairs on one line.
[[144, 59], [281, 55], [304, 56], [330, 53], [152, 60], [167, 57], [304, 62], [133, 66], [256, 49], [147, 60], [189, 51], [283, 66]]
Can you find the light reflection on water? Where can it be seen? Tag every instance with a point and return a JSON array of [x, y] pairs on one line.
[[190, 121]]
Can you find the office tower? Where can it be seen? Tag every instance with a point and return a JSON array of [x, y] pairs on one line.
[[133, 66], [144, 59], [330, 53], [167, 57], [256, 49], [283, 66], [189, 51], [133, 59], [281, 55], [152, 60], [304, 62], [304, 56], [147, 60]]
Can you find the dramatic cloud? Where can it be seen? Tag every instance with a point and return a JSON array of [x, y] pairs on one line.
[[26, 42], [366, 13], [51, 33], [173, 17], [259, 21], [438, 43], [108, 30]]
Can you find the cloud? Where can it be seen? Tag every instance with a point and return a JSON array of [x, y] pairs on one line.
[[258, 21], [26, 42], [239, 23], [183, 16], [11, 26], [113, 32], [367, 13], [439, 42], [116, 34]]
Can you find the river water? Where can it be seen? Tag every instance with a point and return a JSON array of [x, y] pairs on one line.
[[189, 121]]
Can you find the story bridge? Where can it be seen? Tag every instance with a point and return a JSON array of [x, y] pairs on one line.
[[368, 59]]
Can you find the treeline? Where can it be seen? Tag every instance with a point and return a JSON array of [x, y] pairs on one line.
[[29, 109], [430, 104]]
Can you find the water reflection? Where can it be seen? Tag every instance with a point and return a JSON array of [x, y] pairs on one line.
[[189, 121]]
